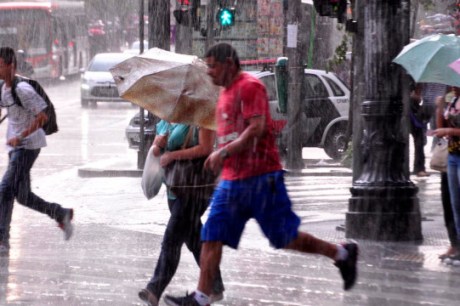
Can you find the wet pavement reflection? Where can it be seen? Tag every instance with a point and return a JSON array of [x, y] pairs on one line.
[[118, 236]]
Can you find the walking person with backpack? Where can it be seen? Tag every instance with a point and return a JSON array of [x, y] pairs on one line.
[[27, 114], [252, 181]]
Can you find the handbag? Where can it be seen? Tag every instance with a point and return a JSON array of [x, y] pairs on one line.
[[152, 175], [438, 160], [190, 178]]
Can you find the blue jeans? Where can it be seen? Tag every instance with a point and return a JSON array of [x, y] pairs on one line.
[[184, 226], [453, 176], [16, 184]]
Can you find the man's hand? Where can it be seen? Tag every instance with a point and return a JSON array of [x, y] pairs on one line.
[[215, 161], [14, 142]]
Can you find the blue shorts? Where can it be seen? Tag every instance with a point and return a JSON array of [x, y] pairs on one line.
[[261, 197]]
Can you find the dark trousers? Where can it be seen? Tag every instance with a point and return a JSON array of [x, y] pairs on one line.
[[16, 184], [184, 226], [419, 142], [448, 214]]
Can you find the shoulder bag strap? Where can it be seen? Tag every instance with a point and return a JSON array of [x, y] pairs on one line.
[[188, 137]]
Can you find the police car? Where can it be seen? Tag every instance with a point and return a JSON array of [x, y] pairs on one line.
[[324, 116], [324, 111]]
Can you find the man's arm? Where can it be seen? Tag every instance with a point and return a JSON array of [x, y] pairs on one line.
[[38, 122], [248, 138]]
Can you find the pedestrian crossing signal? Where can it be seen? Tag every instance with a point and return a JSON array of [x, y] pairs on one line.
[[226, 17]]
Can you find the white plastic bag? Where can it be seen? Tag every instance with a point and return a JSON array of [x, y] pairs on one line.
[[152, 175], [439, 155]]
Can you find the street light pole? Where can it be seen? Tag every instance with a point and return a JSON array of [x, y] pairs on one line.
[[293, 51], [141, 153], [384, 204]]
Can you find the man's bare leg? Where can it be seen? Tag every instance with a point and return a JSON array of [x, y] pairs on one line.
[[307, 243], [211, 255]]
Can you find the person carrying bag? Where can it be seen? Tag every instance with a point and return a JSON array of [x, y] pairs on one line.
[[188, 177], [182, 150]]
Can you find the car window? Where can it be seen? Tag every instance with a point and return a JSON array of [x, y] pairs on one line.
[[338, 92], [270, 84], [318, 90], [104, 64]]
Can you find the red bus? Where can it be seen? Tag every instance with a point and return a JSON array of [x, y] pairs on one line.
[[53, 35]]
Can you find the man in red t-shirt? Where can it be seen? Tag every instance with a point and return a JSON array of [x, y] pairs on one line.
[[252, 180]]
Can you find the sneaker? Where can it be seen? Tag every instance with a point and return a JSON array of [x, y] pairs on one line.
[[451, 251], [66, 224], [148, 297], [347, 267], [187, 300], [216, 297]]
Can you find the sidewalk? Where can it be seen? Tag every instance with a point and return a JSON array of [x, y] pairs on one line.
[[118, 236]]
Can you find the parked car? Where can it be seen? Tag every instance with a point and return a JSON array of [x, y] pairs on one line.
[[324, 108], [132, 131], [324, 117], [97, 83]]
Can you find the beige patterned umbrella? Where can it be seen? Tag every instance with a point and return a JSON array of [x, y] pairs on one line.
[[173, 86]]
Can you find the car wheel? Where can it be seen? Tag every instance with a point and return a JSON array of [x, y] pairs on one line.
[[336, 143], [84, 102]]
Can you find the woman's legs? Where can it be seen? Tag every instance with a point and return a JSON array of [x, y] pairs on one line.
[[448, 214], [453, 175], [174, 237]]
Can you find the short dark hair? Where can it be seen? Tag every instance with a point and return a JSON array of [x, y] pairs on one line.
[[8, 55], [222, 51]]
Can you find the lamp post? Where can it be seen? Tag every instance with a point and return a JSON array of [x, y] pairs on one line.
[[141, 153], [384, 204]]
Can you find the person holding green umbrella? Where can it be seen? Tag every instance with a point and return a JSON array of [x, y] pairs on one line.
[[449, 127]]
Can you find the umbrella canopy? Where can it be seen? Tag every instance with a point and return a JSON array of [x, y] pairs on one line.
[[427, 59], [173, 86], [455, 65]]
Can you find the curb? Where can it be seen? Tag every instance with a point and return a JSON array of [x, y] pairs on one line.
[[93, 172]]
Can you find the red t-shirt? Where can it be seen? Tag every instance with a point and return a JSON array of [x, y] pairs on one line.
[[244, 99]]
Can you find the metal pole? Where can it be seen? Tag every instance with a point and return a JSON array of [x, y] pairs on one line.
[[141, 152], [293, 50]]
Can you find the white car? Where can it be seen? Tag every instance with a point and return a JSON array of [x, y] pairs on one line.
[[97, 83], [324, 108]]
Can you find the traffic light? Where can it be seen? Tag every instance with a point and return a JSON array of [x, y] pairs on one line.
[[332, 8], [226, 16], [182, 16], [186, 14]]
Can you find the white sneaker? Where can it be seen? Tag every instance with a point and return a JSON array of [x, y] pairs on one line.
[[66, 224]]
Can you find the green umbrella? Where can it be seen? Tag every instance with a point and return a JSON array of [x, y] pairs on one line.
[[427, 59]]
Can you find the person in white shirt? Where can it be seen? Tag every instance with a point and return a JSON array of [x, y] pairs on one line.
[[25, 138]]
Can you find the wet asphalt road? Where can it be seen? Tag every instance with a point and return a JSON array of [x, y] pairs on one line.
[[118, 234]]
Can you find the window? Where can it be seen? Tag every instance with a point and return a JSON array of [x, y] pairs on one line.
[[338, 92], [317, 87]]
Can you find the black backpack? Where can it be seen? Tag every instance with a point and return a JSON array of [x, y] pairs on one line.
[[50, 126]]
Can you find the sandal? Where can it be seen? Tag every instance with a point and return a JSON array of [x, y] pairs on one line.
[[451, 251]]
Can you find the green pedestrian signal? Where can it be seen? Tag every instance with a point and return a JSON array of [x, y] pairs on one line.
[[226, 16]]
